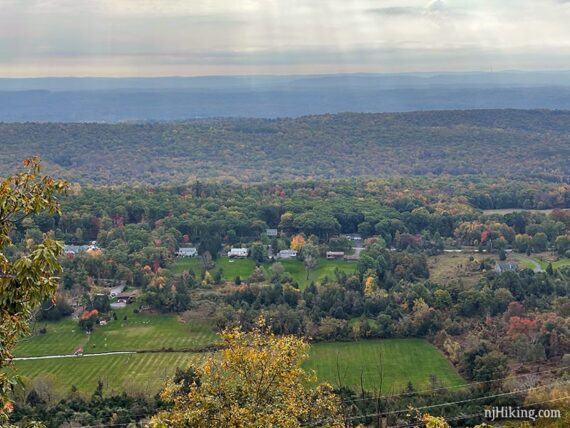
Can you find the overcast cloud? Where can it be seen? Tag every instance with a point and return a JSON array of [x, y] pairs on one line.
[[197, 37]]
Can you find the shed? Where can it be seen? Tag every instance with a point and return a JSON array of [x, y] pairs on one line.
[[271, 232], [335, 255], [238, 252], [187, 252]]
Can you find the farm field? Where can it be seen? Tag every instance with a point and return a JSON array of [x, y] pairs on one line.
[[244, 268], [447, 267], [403, 360], [325, 268], [231, 267], [133, 373], [62, 337], [138, 332]]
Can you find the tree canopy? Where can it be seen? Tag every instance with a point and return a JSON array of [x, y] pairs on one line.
[[256, 381]]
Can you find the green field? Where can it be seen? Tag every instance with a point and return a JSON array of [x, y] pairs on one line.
[[232, 267], [134, 373], [403, 360], [244, 268], [138, 332], [62, 337], [532, 261], [558, 264]]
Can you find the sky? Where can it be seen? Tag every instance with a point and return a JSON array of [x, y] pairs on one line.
[[224, 37]]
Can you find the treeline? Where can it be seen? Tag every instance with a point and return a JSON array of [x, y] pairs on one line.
[[498, 143], [140, 227]]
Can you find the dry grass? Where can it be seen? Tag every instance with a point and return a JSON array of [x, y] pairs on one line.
[[457, 266]]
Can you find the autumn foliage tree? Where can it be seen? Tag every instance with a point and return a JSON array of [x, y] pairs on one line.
[[256, 381], [297, 242], [27, 280]]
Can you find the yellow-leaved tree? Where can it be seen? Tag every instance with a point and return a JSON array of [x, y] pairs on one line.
[[297, 242], [26, 280], [255, 381]]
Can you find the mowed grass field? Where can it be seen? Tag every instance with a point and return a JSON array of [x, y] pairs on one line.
[[137, 332], [133, 373], [245, 267], [402, 360]]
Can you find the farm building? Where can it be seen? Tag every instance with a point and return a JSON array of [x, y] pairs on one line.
[[287, 254], [335, 255], [237, 252], [187, 252], [506, 266]]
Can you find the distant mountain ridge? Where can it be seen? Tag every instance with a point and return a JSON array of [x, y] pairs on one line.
[[179, 98], [498, 143]]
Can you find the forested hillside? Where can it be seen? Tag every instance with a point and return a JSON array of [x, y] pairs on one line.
[[508, 143]]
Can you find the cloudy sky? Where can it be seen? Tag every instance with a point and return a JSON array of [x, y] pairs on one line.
[[204, 37]]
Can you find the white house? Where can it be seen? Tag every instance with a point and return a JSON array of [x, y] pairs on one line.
[[271, 232], [287, 254], [237, 252], [353, 236], [187, 252], [71, 250]]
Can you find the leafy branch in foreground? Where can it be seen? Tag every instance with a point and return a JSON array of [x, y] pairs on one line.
[[29, 279], [256, 381]]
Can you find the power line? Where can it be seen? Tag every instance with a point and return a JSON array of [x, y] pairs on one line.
[[472, 415], [456, 418], [456, 386], [502, 394]]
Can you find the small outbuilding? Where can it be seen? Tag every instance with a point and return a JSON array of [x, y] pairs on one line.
[[287, 254], [240, 253], [272, 233], [335, 255], [187, 252]]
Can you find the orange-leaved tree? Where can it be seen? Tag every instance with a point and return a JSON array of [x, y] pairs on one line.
[[297, 242], [29, 279], [255, 381]]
